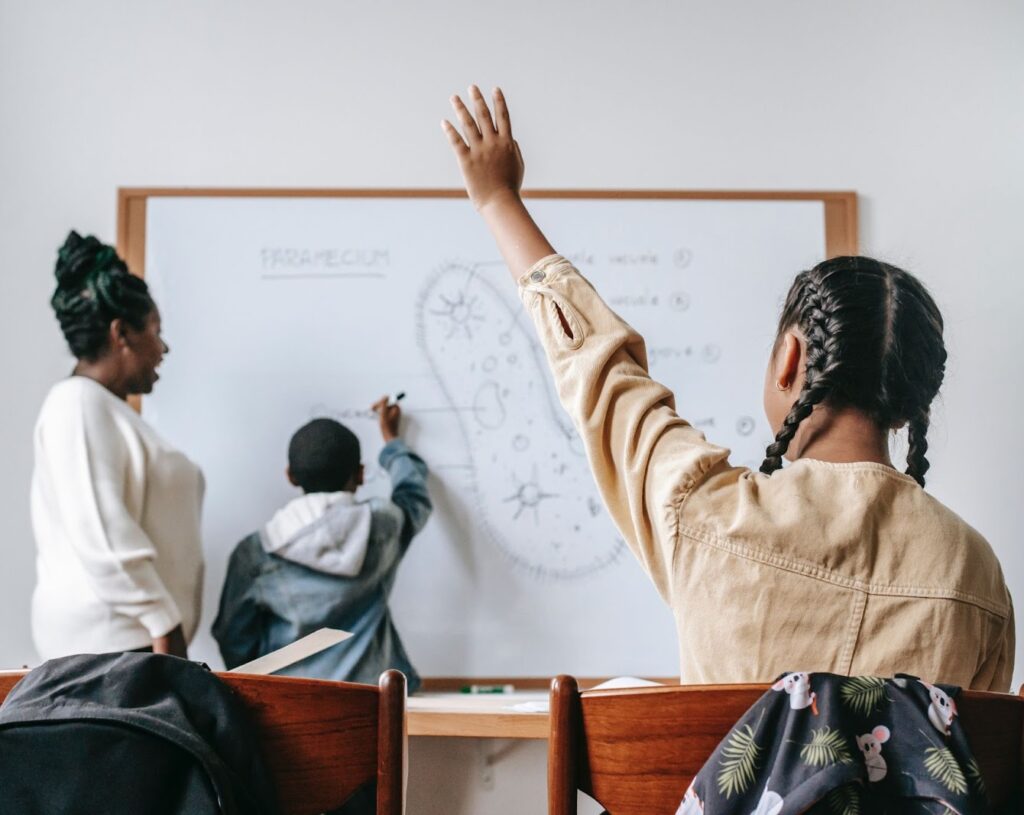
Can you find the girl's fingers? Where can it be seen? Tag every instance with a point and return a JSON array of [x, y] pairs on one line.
[[501, 116], [483, 115], [469, 129], [454, 139]]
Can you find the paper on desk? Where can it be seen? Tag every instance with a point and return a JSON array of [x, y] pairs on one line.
[[625, 682], [540, 706], [544, 706], [300, 649]]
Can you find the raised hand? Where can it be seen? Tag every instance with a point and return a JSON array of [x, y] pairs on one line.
[[492, 167], [489, 157]]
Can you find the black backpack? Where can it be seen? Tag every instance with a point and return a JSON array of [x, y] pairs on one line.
[[129, 733]]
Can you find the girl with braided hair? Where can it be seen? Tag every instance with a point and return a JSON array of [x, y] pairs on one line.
[[864, 340], [838, 562], [115, 509]]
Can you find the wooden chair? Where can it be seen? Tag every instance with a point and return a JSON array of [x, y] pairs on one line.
[[636, 750], [321, 740]]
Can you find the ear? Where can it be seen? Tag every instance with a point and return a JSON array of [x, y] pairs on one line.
[[117, 334], [290, 477], [787, 360], [779, 685], [881, 733], [360, 474]]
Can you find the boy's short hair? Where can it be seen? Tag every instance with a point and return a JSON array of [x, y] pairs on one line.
[[323, 456]]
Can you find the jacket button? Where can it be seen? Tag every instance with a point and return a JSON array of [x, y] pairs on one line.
[[537, 276]]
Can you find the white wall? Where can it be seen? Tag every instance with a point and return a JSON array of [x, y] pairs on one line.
[[916, 105]]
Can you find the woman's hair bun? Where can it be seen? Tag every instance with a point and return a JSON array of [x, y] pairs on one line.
[[80, 260], [95, 287]]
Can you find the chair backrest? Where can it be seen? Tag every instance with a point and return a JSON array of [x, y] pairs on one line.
[[322, 740], [635, 751]]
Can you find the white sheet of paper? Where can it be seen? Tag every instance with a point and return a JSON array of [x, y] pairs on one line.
[[611, 684], [300, 649], [532, 707], [625, 682]]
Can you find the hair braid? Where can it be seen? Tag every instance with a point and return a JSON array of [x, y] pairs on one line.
[[873, 343], [822, 345], [917, 464]]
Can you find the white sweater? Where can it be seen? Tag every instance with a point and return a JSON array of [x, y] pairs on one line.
[[116, 515]]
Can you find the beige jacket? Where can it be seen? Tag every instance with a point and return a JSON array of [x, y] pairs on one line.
[[848, 568]]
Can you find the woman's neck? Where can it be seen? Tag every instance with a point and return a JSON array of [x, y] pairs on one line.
[[841, 437], [104, 373]]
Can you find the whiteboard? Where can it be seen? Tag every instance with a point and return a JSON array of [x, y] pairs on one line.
[[281, 309]]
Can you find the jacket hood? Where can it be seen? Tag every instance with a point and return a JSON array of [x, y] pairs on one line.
[[325, 531]]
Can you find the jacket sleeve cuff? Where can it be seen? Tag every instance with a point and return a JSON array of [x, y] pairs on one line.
[[545, 271], [392, 450]]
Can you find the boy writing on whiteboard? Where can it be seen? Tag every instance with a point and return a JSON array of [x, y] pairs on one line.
[[328, 560]]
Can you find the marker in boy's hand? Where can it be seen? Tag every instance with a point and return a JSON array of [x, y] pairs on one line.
[[389, 415]]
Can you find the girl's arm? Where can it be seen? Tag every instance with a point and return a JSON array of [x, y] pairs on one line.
[[492, 167], [646, 460]]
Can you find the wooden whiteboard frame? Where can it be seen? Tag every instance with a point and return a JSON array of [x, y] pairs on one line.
[[841, 238], [840, 207]]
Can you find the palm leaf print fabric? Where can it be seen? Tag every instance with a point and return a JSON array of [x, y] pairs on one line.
[[835, 745]]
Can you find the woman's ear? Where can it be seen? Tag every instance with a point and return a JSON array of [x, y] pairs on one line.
[[116, 334], [360, 473], [290, 477]]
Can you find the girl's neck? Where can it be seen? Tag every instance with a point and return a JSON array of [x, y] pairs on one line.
[[841, 436]]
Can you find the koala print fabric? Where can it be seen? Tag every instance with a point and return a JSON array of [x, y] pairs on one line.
[[836, 745]]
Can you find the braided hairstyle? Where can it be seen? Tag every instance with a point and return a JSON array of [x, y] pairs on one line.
[[873, 342], [94, 287]]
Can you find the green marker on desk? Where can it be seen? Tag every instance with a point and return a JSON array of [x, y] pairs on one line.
[[488, 689]]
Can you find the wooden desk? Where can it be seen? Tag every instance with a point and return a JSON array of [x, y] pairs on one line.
[[440, 710], [483, 716]]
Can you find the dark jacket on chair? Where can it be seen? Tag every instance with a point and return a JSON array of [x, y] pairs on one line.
[[111, 734]]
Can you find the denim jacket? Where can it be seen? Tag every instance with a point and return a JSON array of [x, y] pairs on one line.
[[270, 600]]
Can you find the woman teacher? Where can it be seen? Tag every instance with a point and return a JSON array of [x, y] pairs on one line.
[[115, 509]]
